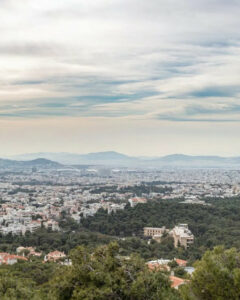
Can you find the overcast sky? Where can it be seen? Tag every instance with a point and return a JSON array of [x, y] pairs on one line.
[[140, 77]]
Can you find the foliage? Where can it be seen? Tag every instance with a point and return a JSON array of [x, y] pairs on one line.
[[211, 225], [180, 272], [47, 240], [217, 277], [25, 280], [104, 274], [152, 250]]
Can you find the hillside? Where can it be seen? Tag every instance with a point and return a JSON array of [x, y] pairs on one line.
[[211, 225], [112, 158], [38, 163]]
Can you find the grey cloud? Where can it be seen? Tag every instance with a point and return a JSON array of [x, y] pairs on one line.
[[123, 51], [30, 49], [207, 113], [214, 91]]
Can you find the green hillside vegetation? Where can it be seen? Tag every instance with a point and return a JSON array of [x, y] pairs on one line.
[[47, 240], [137, 190], [101, 274], [211, 225], [217, 277], [104, 274], [218, 224]]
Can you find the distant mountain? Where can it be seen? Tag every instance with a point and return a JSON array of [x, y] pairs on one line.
[[98, 158], [106, 155], [38, 163], [188, 161], [112, 158], [109, 157]]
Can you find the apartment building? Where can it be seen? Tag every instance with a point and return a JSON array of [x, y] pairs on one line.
[[182, 236]]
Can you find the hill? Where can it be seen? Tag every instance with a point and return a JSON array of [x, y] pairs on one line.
[[38, 163], [112, 158]]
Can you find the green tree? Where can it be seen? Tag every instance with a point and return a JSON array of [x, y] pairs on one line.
[[14, 288], [105, 275], [217, 276]]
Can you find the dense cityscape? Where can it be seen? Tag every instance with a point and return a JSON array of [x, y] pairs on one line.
[[35, 198], [166, 216]]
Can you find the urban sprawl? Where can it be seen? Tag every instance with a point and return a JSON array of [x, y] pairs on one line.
[[37, 198]]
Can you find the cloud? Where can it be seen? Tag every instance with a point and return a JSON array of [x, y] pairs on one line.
[[205, 112], [167, 62], [28, 49]]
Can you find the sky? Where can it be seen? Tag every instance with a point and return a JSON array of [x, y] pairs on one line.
[[139, 77]]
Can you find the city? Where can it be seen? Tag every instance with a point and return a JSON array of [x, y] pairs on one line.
[[37, 198]]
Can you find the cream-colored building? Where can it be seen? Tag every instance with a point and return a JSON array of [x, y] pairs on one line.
[[154, 231], [137, 200], [182, 236]]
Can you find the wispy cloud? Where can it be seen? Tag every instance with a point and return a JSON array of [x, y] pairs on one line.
[[157, 61]]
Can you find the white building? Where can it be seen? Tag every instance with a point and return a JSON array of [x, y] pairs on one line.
[[182, 236], [137, 200]]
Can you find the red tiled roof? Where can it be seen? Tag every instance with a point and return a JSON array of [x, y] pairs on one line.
[[181, 262], [157, 267], [176, 281], [5, 257], [139, 199]]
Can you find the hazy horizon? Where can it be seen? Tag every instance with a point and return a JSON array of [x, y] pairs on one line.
[[116, 152]]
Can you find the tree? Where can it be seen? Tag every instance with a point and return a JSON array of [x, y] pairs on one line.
[[105, 275], [13, 288], [217, 276]]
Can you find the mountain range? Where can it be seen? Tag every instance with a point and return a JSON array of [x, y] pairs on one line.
[[37, 163], [111, 158]]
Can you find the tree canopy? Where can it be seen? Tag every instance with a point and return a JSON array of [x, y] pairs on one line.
[[211, 225], [217, 276], [104, 274]]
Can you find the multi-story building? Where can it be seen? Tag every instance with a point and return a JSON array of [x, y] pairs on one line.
[[154, 231], [182, 236]]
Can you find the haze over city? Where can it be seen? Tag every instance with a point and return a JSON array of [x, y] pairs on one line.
[[138, 77]]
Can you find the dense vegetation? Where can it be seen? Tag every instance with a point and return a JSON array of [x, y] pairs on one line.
[[137, 190], [46, 240], [217, 277], [26, 280], [211, 225], [102, 274], [106, 274]]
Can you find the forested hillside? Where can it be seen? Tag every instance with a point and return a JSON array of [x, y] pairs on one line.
[[104, 274], [218, 223]]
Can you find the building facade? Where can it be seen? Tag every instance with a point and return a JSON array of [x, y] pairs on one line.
[[154, 231], [182, 236]]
